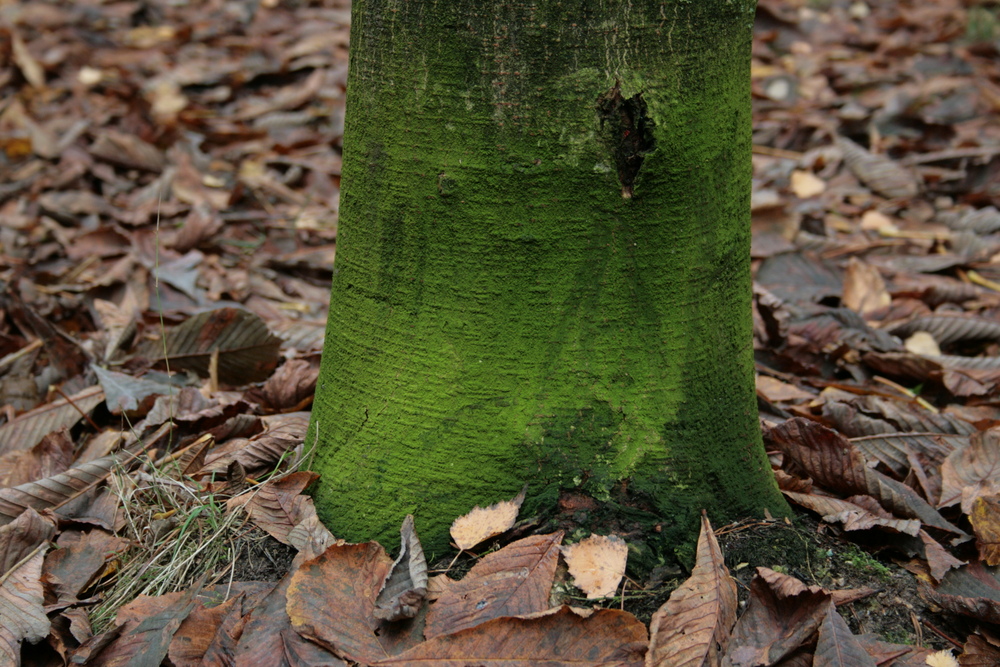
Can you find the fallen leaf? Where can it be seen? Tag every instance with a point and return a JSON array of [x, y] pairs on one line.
[[22, 616], [597, 564], [779, 618], [805, 184], [693, 627], [331, 600], [985, 519], [836, 645], [404, 589], [514, 581], [247, 351], [481, 524], [864, 288], [559, 637]]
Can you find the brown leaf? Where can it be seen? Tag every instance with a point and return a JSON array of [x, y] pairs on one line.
[[145, 643], [878, 172], [692, 628], [22, 616], [127, 150], [275, 507], [978, 652], [20, 537], [247, 351], [938, 558], [331, 600], [292, 385], [27, 430], [481, 524], [985, 518], [514, 581], [973, 471], [864, 289], [779, 618], [404, 589], [283, 433], [55, 490], [836, 645], [834, 463], [893, 449], [78, 560], [53, 455], [973, 590], [851, 515], [558, 637]]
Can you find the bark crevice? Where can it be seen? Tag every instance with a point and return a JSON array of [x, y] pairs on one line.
[[628, 131]]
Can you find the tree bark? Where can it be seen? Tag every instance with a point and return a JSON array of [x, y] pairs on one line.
[[543, 269]]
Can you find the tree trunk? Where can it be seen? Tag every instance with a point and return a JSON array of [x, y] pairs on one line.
[[543, 269]]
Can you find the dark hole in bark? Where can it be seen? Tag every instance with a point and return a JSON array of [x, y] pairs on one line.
[[628, 131]]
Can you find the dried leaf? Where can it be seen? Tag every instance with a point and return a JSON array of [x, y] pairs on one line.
[[247, 351], [851, 515], [559, 637], [836, 645], [878, 172], [805, 184], [20, 537], [864, 289], [778, 620], [404, 589], [481, 524], [146, 643], [124, 393], [597, 564], [973, 471], [833, 462], [972, 590], [692, 628], [127, 150], [514, 581], [28, 429], [54, 490], [276, 508], [331, 600], [985, 519], [22, 616]]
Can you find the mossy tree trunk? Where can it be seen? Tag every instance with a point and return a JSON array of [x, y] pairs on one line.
[[542, 271]]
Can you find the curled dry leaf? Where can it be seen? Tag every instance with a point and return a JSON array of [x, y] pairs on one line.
[[481, 524], [277, 506], [404, 589], [692, 628], [597, 564]]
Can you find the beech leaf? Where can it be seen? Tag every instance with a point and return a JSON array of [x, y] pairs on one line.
[[481, 524], [597, 564]]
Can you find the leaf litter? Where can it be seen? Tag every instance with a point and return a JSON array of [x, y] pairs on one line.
[[168, 208]]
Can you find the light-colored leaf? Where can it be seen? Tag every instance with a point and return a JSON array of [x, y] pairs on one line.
[[481, 524], [597, 564]]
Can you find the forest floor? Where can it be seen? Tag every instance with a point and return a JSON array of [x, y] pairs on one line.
[[163, 158]]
